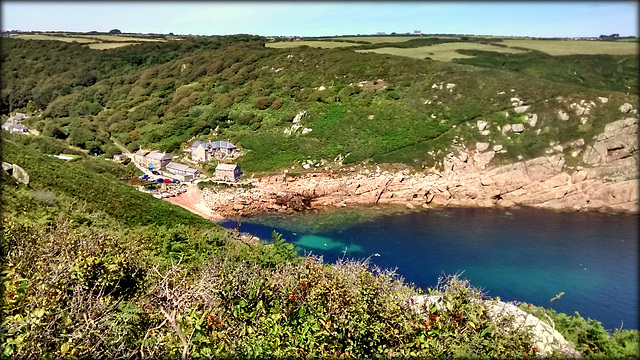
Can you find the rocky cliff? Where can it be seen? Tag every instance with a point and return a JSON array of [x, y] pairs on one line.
[[607, 181]]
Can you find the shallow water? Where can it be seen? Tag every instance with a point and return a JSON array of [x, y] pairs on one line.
[[521, 254]]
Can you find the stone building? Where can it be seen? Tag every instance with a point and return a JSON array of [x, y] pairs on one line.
[[228, 172]]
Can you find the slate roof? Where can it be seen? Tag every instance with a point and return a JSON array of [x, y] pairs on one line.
[[222, 145], [158, 156], [177, 166], [230, 167], [9, 126], [196, 144], [213, 144]]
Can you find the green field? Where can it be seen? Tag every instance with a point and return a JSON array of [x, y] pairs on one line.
[[310, 43], [97, 41], [576, 47], [441, 52], [381, 39]]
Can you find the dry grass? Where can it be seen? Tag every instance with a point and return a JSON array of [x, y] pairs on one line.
[[319, 44], [441, 52], [105, 46], [53, 37], [573, 47], [118, 38]]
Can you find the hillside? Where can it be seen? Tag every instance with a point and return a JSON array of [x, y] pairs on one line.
[[84, 278], [360, 107]]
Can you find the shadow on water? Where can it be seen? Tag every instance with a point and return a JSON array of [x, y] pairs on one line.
[[519, 255]]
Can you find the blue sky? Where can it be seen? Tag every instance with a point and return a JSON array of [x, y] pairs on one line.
[[543, 19]]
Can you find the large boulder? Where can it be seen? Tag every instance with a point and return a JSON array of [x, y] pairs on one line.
[[563, 115], [532, 119], [625, 108], [517, 128], [619, 140], [20, 174], [482, 146]]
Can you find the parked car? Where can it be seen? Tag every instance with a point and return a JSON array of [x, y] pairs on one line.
[[154, 172], [167, 180], [159, 180], [143, 177], [176, 181]]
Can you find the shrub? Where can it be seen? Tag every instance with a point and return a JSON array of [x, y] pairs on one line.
[[263, 102], [277, 104]]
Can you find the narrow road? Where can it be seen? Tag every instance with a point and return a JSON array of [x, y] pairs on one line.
[[130, 156]]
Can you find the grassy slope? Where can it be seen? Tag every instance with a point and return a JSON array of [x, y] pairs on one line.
[[605, 72], [93, 183]]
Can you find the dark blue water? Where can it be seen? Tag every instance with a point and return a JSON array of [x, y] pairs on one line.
[[518, 255]]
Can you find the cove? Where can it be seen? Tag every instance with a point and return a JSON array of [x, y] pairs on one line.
[[526, 255]]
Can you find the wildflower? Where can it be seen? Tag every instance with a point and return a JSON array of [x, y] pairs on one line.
[[292, 297], [458, 315], [10, 295], [454, 322], [304, 283], [280, 271], [424, 323]]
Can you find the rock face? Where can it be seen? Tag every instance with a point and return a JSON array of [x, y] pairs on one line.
[[618, 141], [544, 337], [607, 182]]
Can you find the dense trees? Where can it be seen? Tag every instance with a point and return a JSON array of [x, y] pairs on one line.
[[161, 94]]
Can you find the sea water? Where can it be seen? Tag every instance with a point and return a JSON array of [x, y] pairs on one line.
[[525, 255]]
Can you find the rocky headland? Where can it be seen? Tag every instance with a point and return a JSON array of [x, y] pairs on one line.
[[607, 182]]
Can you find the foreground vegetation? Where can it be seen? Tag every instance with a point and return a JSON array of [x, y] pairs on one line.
[[85, 279]]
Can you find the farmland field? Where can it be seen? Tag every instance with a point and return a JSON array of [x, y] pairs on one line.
[[576, 47], [319, 44], [441, 52], [379, 39], [105, 46], [81, 40], [118, 38]]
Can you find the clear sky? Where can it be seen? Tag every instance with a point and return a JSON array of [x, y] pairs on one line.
[[538, 19]]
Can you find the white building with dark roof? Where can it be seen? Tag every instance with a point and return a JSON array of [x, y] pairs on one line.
[[15, 128], [205, 150], [151, 159], [184, 172]]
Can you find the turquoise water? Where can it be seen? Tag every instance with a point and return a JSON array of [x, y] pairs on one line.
[[519, 255]]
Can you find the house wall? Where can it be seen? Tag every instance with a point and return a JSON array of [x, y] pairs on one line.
[[228, 175], [157, 164], [200, 154]]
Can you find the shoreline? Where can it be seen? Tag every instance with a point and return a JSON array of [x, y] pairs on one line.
[[606, 182]]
